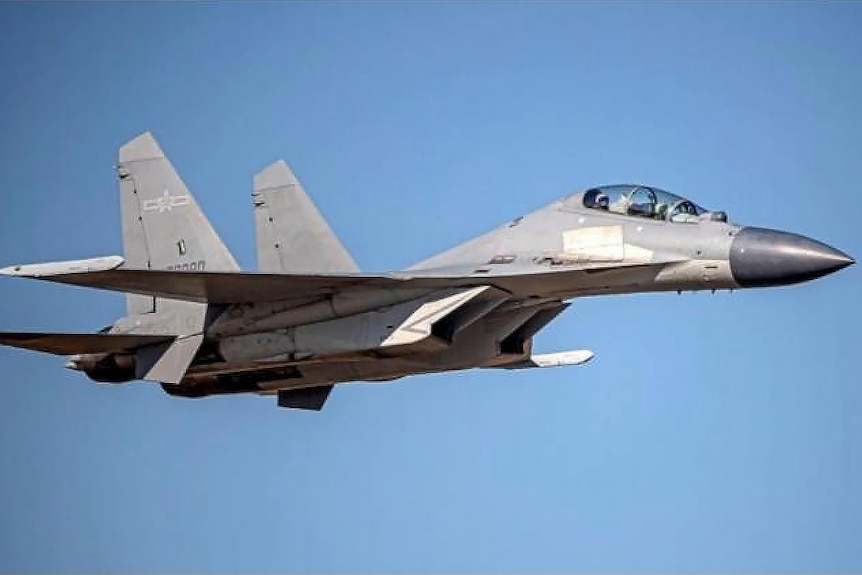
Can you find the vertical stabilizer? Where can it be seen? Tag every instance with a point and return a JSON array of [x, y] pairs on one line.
[[292, 235], [165, 229], [163, 226]]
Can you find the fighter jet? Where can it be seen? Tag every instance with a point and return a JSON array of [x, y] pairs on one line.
[[308, 319]]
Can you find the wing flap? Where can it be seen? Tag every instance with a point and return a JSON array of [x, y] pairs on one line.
[[79, 343]]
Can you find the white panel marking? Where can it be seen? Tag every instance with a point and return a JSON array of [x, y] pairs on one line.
[[595, 243]]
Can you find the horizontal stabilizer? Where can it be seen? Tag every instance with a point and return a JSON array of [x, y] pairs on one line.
[[311, 398], [559, 359], [75, 343]]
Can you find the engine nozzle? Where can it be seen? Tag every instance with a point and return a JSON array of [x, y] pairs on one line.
[[104, 367]]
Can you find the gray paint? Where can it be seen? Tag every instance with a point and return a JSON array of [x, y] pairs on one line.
[[309, 319], [165, 229], [292, 235]]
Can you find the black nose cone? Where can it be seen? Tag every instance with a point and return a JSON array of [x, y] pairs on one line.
[[761, 257]]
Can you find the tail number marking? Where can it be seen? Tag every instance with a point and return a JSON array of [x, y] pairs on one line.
[[197, 266]]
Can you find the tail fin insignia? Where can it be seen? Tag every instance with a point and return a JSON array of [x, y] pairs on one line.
[[165, 203], [163, 226]]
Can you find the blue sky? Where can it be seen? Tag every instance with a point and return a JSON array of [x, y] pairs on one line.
[[712, 433]]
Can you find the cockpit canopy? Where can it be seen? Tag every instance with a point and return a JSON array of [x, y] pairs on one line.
[[647, 202]]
